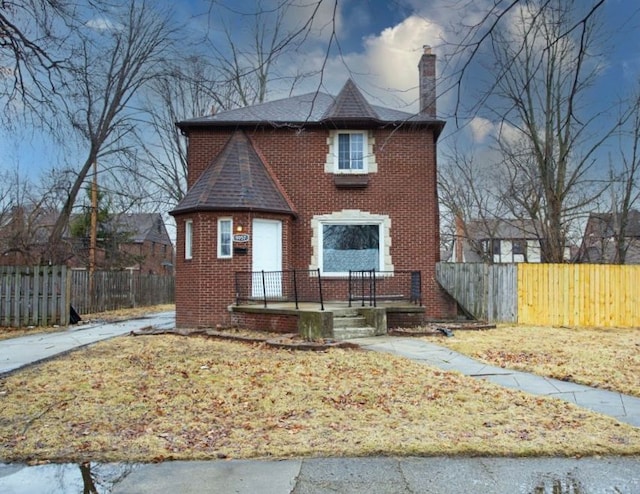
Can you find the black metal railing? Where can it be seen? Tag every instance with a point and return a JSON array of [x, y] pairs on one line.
[[295, 285], [301, 285], [371, 286]]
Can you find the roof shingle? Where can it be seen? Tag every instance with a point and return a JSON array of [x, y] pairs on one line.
[[236, 180]]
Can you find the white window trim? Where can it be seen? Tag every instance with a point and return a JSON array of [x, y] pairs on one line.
[[188, 239], [350, 217], [369, 164], [220, 254]]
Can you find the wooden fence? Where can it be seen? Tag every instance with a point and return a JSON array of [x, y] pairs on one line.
[[579, 295], [114, 290], [546, 294], [34, 296], [483, 291], [42, 295]]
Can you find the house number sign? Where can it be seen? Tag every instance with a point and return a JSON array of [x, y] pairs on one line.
[[241, 237]]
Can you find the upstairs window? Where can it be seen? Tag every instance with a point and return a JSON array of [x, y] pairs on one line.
[[351, 151]]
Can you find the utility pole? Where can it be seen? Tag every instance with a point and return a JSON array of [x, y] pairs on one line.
[[93, 234]]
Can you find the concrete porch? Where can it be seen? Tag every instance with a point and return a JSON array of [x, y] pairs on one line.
[[337, 321]]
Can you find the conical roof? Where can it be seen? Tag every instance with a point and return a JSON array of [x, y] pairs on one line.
[[236, 180], [350, 104]]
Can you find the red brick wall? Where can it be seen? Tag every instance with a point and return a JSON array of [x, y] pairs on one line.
[[404, 188], [275, 323]]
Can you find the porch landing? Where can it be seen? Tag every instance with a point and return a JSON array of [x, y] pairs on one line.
[[337, 321]]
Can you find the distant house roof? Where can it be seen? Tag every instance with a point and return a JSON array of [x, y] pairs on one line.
[[511, 229], [318, 108], [603, 225], [598, 244], [237, 179], [141, 227]]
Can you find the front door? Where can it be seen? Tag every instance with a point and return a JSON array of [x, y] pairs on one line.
[[267, 257]]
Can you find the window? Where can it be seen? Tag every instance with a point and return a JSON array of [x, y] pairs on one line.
[[225, 227], [350, 240], [495, 247], [520, 247], [350, 247], [188, 239], [351, 147]]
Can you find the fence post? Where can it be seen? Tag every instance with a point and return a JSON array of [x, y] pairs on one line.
[[295, 288], [65, 282], [320, 288]]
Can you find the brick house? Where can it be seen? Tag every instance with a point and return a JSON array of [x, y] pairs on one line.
[[313, 182], [136, 241], [599, 242]]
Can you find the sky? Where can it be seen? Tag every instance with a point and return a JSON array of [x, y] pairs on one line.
[[378, 44]]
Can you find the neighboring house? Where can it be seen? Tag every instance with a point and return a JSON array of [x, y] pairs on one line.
[[599, 241], [133, 241], [312, 182], [147, 242], [496, 241]]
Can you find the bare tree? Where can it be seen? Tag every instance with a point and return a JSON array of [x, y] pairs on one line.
[[239, 73], [470, 194], [625, 183], [109, 72], [33, 53], [544, 78], [474, 39]]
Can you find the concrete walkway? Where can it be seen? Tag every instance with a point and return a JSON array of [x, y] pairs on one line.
[[623, 407], [27, 350], [338, 475]]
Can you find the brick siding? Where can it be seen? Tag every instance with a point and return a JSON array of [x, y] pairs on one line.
[[404, 188]]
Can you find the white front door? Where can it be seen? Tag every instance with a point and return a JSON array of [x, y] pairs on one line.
[[267, 257]]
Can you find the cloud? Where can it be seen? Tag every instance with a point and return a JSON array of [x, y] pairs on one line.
[[101, 24], [481, 128]]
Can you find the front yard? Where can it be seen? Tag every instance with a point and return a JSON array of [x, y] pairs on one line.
[[153, 398], [603, 358]]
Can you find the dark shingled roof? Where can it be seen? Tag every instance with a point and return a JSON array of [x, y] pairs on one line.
[[504, 228], [236, 180], [312, 108], [350, 105], [141, 227]]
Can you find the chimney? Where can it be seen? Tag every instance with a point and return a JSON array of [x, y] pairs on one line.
[[427, 74]]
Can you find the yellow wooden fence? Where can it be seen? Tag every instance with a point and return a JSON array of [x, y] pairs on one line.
[[579, 295]]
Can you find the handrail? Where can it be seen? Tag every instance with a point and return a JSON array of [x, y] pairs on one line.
[[279, 286]]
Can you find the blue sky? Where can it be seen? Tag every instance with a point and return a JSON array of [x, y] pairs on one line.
[[380, 44]]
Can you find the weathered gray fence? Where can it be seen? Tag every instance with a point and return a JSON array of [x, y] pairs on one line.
[[34, 296], [42, 295], [488, 292], [114, 290]]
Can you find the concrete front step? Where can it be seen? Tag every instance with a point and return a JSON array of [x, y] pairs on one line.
[[350, 333], [349, 322], [346, 312]]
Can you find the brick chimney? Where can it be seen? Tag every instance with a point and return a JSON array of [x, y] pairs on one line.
[[427, 74]]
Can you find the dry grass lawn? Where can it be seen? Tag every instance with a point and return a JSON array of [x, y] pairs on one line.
[[114, 315], [152, 398], [604, 358]]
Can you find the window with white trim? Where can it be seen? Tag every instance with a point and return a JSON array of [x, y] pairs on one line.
[[354, 247], [350, 240], [188, 239], [225, 229], [351, 151]]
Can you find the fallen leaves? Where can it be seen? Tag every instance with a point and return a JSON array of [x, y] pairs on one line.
[[604, 358], [152, 398]]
